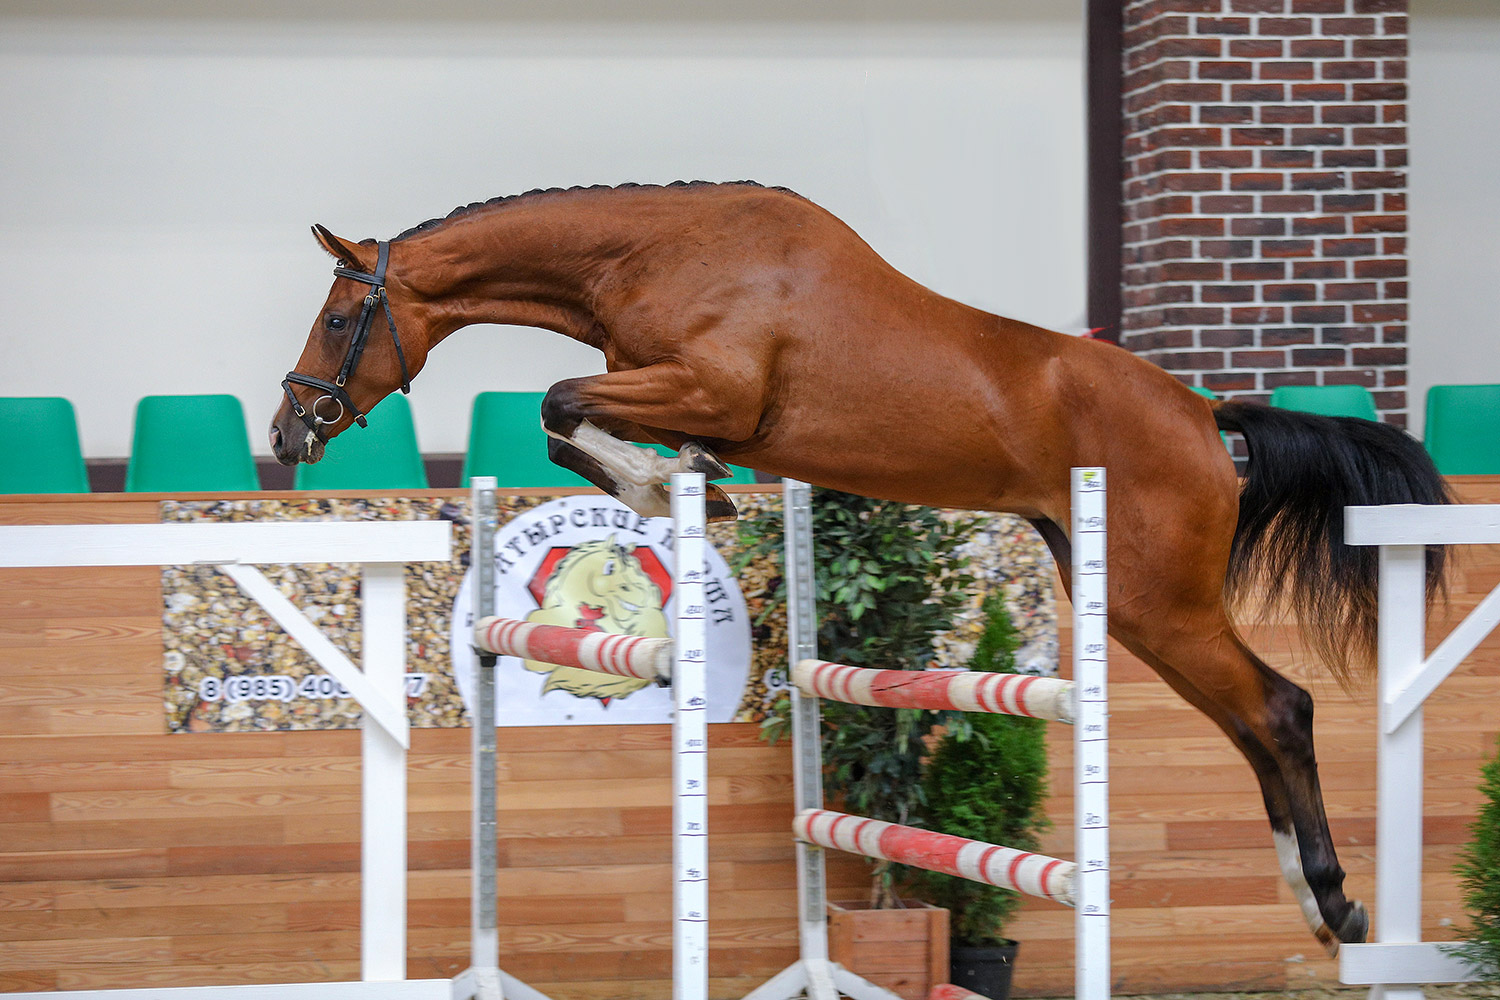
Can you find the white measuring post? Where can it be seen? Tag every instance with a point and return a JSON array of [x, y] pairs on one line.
[[690, 745], [1091, 735]]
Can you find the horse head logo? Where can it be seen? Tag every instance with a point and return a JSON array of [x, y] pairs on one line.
[[599, 585]]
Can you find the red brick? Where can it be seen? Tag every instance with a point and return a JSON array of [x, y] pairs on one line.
[[1318, 48], [1261, 92], [1319, 270], [1393, 334], [1258, 48], [1258, 226], [1320, 314], [1167, 250], [1286, 159], [1320, 225], [1274, 380], [1387, 91], [1389, 268], [1194, 48], [1226, 293], [1365, 377], [1257, 315], [1380, 7], [1287, 114], [1319, 92], [1191, 182], [1259, 270], [1348, 203], [1191, 360], [1391, 246], [1287, 248], [1223, 249], [1379, 48], [1228, 381], [1379, 355], [1194, 226], [1363, 180], [1288, 203], [1286, 336], [1347, 114], [1379, 135], [1292, 70], [1191, 270], [1358, 69], [1226, 114], [1193, 93], [1192, 315], [1257, 6], [1318, 357], [1348, 157], [1257, 136], [1393, 114], [1225, 159], [1187, 137], [1326, 180], [1285, 26], [1256, 182], [1318, 137], [1289, 293], [1222, 25], [1380, 223], [1349, 248], [1379, 312], [1226, 204], [1347, 26], [1393, 290], [1351, 291], [1392, 376], [1317, 6], [1258, 359], [1226, 338], [1224, 70], [1158, 340]]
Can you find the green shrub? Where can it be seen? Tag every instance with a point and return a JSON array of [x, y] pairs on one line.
[[889, 579], [1479, 868], [990, 786]]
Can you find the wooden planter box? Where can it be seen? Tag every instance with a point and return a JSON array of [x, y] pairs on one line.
[[906, 951]]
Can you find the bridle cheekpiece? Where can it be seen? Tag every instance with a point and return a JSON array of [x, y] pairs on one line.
[[335, 390]]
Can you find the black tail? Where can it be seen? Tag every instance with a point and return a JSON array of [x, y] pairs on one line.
[[1304, 469]]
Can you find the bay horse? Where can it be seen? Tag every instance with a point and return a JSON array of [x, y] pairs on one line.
[[746, 323]]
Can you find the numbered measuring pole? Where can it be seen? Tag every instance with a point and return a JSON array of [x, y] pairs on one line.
[[690, 746], [1091, 734]]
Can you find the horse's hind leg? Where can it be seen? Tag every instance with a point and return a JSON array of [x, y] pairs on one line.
[[1270, 720]]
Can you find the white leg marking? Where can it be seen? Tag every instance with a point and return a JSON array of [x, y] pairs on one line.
[[1291, 868], [626, 462]]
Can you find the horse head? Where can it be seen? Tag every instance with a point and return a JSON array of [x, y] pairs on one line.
[[356, 354]]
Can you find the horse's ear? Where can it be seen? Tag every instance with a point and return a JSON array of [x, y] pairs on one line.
[[348, 254]]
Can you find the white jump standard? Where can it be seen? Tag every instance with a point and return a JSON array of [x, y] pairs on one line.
[[1083, 884], [682, 662]]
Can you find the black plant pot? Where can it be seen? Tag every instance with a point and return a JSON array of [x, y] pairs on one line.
[[984, 970]]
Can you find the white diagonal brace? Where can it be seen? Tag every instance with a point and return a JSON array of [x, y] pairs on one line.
[[1462, 641], [389, 717]]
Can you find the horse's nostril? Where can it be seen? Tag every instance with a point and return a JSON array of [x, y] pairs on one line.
[[275, 437]]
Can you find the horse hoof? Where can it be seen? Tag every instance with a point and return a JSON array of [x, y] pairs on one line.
[[699, 459], [718, 507], [1356, 925]]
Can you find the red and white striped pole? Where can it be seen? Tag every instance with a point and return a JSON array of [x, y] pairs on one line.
[[939, 690], [990, 864], [587, 649]]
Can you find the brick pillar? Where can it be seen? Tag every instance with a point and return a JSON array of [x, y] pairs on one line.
[[1265, 193]]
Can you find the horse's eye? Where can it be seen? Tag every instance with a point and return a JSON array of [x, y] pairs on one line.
[[334, 322]]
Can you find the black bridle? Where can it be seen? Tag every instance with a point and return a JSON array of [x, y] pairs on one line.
[[335, 390]]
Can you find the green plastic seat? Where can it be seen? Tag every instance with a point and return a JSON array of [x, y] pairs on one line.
[[381, 456], [506, 441], [1327, 400], [41, 435], [187, 444], [1205, 393], [1463, 429]]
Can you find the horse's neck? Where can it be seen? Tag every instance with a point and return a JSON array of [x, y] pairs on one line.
[[515, 266]]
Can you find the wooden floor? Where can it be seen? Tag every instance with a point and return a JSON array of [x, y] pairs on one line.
[[129, 857]]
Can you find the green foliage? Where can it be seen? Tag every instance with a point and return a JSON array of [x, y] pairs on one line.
[[989, 787], [1479, 869], [889, 579]]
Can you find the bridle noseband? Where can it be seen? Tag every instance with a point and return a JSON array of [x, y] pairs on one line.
[[335, 390]]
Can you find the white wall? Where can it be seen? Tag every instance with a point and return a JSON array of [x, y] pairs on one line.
[[160, 170], [1454, 196]]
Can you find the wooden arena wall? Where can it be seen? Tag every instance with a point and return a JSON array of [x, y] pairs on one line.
[[129, 857]]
